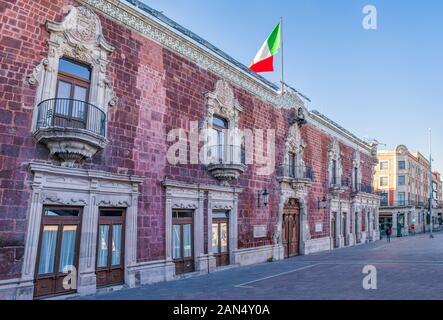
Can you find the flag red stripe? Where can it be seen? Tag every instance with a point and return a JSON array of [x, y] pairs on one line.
[[266, 65]]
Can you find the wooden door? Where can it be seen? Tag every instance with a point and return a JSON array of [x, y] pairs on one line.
[[57, 251], [72, 94], [333, 231], [220, 238], [291, 229], [182, 241], [343, 229], [110, 247]]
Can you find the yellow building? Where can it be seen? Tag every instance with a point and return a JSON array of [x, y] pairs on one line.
[[402, 180]]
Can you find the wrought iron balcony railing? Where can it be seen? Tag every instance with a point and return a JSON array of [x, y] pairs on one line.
[[226, 154], [296, 172], [404, 203], [71, 114], [361, 187]]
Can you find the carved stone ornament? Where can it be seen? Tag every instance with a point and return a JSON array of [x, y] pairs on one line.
[[221, 102], [113, 203], [79, 37], [222, 206], [184, 205], [298, 116], [54, 198]]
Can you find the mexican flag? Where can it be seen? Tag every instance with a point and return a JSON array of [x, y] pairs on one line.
[[264, 60]]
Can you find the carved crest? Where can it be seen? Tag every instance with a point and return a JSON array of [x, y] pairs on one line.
[[222, 102]]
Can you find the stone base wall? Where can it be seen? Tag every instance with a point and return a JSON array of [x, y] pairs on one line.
[[244, 257], [317, 245]]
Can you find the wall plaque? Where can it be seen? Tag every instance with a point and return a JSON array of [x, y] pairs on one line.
[[260, 231]]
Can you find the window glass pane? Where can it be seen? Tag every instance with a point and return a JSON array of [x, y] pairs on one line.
[[219, 122], [187, 242], [61, 212], [102, 256], [116, 244], [47, 250], [401, 164], [78, 106], [111, 213], [176, 254], [74, 68], [63, 92], [401, 180], [219, 215], [215, 237], [67, 251], [182, 214], [224, 237]]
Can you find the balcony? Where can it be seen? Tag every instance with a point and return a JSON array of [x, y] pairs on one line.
[[403, 204], [338, 186], [72, 130], [295, 174], [362, 188], [226, 162]]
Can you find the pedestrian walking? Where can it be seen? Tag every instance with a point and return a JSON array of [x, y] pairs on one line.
[[388, 234], [413, 229]]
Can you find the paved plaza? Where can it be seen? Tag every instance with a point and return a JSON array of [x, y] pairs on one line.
[[407, 268]]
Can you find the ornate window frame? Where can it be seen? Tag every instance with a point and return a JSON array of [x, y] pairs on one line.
[[334, 154], [222, 103], [294, 144], [356, 164], [80, 37]]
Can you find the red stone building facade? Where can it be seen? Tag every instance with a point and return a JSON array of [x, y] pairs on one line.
[[132, 151]]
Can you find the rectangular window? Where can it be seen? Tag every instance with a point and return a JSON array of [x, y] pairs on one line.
[[292, 161], [102, 256], [384, 201], [176, 242], [182, 241], [334, 172], [57, 250], [401, 165], [67, 253], [47, 250], [401, 199], [110, 247], [384, 165], [384, 181], [401, 180]]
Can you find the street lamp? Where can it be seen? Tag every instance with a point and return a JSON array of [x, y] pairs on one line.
[[265, 195], [323, 203]]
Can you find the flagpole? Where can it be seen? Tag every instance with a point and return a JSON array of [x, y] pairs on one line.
[[282, 55]]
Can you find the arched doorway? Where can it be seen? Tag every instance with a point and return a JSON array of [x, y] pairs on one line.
[[291, 228]]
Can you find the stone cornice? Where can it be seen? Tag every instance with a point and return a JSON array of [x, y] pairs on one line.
[[65, 171], [166, 36], [167, 183]]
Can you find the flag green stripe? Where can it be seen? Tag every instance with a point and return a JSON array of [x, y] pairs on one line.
[[274, 40]]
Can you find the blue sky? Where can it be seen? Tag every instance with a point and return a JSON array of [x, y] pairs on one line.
[[384, 84]]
